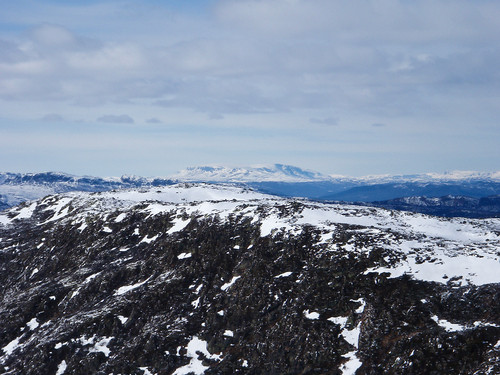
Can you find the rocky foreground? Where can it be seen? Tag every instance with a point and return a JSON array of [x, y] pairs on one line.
[[219, 280]]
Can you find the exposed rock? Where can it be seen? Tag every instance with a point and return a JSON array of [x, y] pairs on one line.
[[221, 280]]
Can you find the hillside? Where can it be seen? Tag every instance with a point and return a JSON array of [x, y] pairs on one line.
[[196, 278]]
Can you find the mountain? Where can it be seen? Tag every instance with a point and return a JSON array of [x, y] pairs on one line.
[[274, 173], [197, 278], [18, 187], [278, 179]]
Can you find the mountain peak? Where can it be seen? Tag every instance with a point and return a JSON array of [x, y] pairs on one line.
[[275, 172]]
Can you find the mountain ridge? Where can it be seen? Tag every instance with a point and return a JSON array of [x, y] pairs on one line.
[[220, 280], [281, 180]]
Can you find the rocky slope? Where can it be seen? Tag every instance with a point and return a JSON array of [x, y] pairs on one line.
[[220, 280]]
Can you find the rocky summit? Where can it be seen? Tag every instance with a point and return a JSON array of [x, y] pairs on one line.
[[210, 279]]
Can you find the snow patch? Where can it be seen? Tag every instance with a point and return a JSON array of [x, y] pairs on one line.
[[196, 366], [352, 364], [11, 346], [284, 274], [178, 225], [61, 367], [228, 285], [448, 326], [147, 239], [33, 324], [127, 288], [26, 212], [311, 315], [100, 346], [120, 218]]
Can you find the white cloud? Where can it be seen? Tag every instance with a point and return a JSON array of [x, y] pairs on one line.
[[258, 64]]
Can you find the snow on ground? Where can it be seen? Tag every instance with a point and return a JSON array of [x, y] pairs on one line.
[[179, 225], [60, 210], [61, 368], [195, 365], [352, 364], [97, 345], [145, 370], [127, 288], [120, 218], [448, 326], [284, 274], [5, 220], [11, 346], [311, 315], [228, 285], [33, 324], [26, 212], [352, 337], [183, 193], [147, 239]]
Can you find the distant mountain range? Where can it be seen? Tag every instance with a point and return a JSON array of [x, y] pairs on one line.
[[274, 173], [285, 181]]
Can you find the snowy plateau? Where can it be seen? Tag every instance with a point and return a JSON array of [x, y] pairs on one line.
[[194, 278]]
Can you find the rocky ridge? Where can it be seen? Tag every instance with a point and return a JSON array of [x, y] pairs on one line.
[[196, 278]]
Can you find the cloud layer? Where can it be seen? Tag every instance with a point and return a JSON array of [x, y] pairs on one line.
[[283, 64]]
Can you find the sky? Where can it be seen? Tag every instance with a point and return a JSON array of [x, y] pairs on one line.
[[149, 87]]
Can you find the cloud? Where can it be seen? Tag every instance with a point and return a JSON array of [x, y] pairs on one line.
[[389, 59], [52, 117], [378, 125], [324, 121], [153, 120], [118, 119]]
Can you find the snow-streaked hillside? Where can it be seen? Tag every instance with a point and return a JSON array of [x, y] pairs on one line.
[[211, 279], [466, 250]]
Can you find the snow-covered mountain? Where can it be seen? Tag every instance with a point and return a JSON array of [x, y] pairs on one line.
[[207, 279], [20, 187], [452, 176], [275, 173], [282, 180], [292, 174]]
